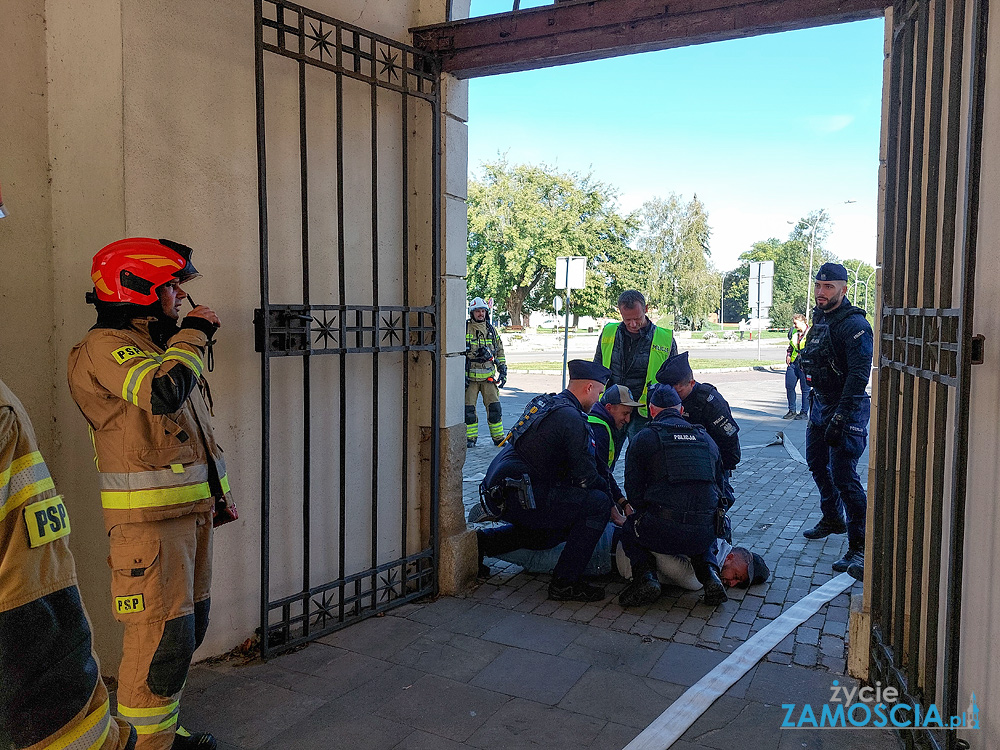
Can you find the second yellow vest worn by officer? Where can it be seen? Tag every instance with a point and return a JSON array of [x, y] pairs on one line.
[[159, 475], [51, 692]]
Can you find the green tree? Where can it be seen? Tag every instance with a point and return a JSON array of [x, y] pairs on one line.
[[675, 235], [522, 217]]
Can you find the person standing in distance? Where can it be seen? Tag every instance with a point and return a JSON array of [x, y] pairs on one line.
[[137, 378], [837, 360], [793, 373], [634, 350], [485, 373]]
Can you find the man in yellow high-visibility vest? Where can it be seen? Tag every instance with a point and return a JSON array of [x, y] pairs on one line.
[[634, 350]]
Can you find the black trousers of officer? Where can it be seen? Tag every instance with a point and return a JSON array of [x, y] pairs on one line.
[[645, 532], [573, 515]]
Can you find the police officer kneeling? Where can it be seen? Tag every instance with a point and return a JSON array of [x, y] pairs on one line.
[[673, 479], [546, 485]]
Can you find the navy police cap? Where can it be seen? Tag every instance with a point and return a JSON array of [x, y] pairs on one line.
[[831, 272], [583, 369], [674, 370], [663, 396]]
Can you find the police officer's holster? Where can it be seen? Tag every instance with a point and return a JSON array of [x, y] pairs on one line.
[[161, 575]]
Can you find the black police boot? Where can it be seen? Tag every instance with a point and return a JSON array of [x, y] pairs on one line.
[[561, 590], [857, 570], [824, 528], [470, 443], [790, 414], [708, 575], [802, 415], [187, 741], [643, 590], [851, 557], [483, 571]]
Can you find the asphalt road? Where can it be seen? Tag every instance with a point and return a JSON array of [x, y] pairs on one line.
[[772, 350]]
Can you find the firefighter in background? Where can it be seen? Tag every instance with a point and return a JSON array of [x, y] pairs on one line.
[[51, 691], [137, 378], [485, 373]]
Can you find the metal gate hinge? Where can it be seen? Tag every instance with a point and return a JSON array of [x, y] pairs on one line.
[[978, 344]]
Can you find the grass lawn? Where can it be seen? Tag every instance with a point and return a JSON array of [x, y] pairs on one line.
[[696, 364]]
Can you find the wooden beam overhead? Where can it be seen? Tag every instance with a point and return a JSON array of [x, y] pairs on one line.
[[578, 30]]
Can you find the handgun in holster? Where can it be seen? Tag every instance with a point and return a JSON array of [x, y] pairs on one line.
[[493, 500]]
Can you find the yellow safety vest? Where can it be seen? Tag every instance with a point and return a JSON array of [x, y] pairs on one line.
[[611, 437], [659, 352]]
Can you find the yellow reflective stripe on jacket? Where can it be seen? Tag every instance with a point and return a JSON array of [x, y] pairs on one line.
[[134, 378], [114, 500], [89, 734], [608, 342], [26, 477], [224, 481], [192, 360], [151, 720]]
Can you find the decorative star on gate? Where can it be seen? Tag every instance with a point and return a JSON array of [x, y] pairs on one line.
[[389, 592], [321, 40], [389, 64], [390, 329], [326, 331]]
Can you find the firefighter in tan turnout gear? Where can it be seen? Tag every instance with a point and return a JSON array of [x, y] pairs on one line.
[[485, 373], [137, 378], [51, 691]]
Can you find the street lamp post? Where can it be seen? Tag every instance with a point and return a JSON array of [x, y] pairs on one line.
[[865, 305], [812, 242], [854, 294]]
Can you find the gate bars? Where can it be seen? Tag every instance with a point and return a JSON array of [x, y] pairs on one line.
[[926, 350], [400, 336]]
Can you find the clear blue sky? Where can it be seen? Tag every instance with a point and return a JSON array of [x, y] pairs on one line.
[[762, 129]]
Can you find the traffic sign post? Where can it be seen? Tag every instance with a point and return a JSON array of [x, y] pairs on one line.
[[571, 273], [760, 292]]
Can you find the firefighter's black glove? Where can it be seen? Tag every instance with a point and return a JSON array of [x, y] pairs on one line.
[[834, 434], [502, 380]]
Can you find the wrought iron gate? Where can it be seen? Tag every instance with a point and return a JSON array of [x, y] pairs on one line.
[[348, 182], [934, 141]]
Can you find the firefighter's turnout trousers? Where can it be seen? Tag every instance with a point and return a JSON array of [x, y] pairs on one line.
[[491, 400], [161, 576], [51, 692], [159, 474]]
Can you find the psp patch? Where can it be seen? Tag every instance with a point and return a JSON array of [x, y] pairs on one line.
[[46, 521], [125, 353], [126, 605]]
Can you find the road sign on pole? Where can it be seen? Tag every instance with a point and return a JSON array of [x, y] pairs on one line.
[[761, 293], [571, 273]]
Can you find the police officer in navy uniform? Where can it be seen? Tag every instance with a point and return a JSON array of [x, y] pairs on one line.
[[552, 445], [837, 360], [608, 417], [704, 405], [673, 479]]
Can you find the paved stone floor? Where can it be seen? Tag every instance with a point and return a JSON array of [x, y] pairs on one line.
[[503, 667]]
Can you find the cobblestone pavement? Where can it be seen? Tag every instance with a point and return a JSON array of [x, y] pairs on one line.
[[503, 667]]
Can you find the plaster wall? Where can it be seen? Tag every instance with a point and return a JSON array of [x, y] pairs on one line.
[[142, 114], [980, 649]]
